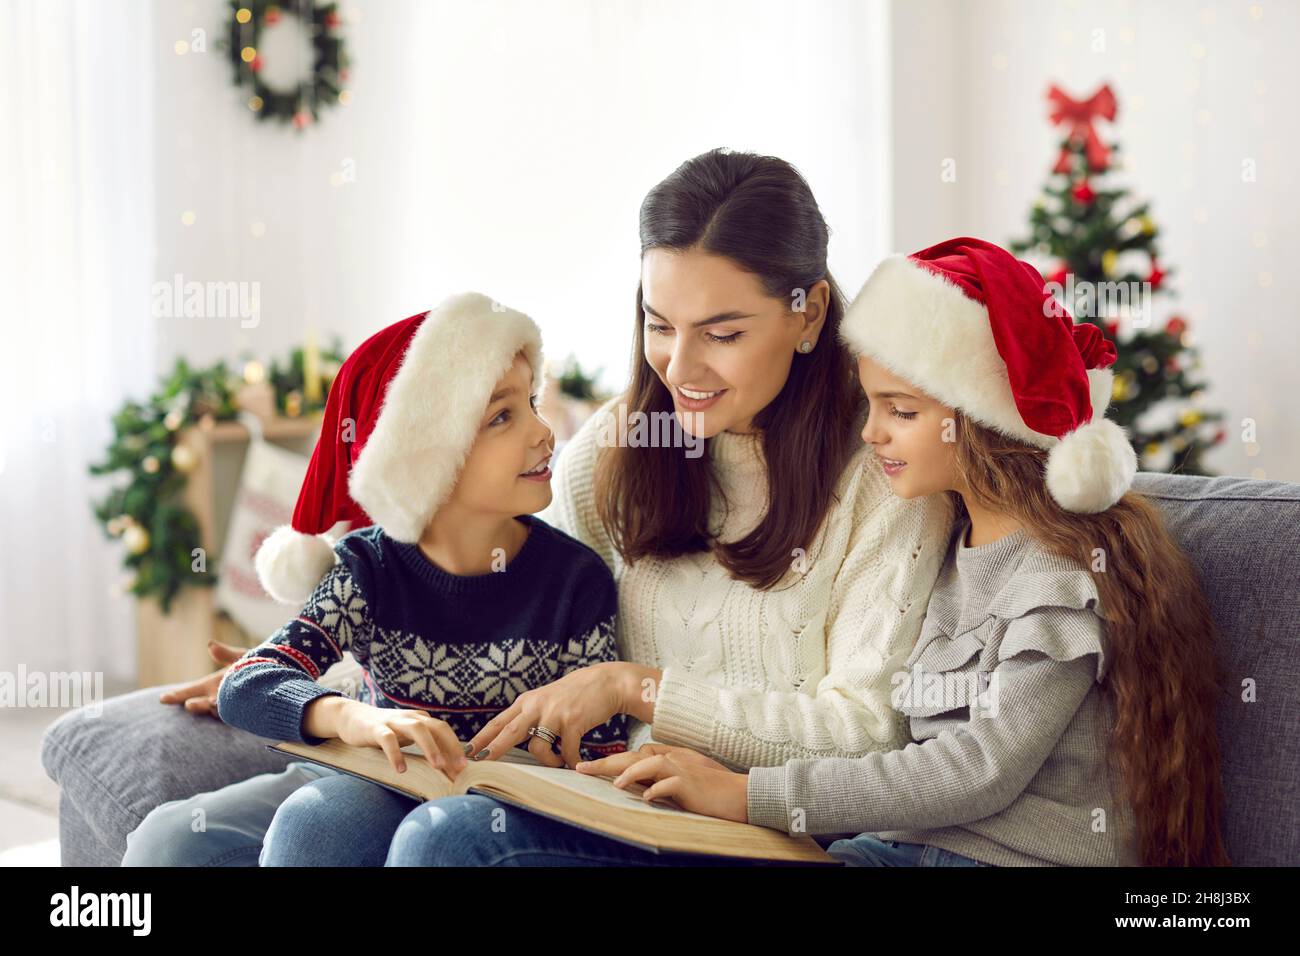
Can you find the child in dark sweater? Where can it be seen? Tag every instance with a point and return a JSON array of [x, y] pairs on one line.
[[451, 596], [458, 648]]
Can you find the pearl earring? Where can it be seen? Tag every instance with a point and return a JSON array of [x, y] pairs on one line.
[[805, 347]]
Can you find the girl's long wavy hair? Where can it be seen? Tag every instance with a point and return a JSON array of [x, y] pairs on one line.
[[1164, 678], [759, 212]]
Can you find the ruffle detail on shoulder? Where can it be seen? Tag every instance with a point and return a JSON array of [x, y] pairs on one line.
[[1030, 590], [1061, 633], [943, 653], [944, 673]]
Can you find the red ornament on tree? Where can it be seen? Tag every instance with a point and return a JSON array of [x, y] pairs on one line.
[[1059, 276], [1083, 192], [1176, 326], [271, 16], [332, 20], [1156, 277], [301, 119], [256, 63], [1112, 328]]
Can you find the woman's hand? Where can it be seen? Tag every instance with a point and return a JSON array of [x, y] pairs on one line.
[[615, 764], [200, 696], [570, 706], [364, 725], [693, 781]]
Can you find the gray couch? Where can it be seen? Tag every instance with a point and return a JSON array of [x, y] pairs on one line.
[[1243, 535]]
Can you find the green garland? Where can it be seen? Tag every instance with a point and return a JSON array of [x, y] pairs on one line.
[[160, 532], [576, 383], [329, 68]]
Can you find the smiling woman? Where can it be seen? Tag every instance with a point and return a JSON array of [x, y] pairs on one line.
[[767, 589], [733, 300]]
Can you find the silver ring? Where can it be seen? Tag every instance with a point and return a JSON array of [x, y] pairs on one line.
[[545, 733]]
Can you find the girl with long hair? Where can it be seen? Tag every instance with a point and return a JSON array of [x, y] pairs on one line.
[[1062, 693]]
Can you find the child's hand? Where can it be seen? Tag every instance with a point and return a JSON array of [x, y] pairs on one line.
[[693, 781], [364, 725]]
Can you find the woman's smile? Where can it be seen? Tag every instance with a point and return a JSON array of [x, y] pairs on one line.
[[697, 401]]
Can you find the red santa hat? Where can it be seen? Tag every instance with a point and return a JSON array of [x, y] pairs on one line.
[[399, 422], [975, 328]]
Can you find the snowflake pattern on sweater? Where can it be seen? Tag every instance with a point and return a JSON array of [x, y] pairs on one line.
[[421, 652]]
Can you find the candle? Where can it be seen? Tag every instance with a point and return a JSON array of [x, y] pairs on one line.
[[311, 370]]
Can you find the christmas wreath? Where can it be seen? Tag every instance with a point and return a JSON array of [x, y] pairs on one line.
[[298, 100]]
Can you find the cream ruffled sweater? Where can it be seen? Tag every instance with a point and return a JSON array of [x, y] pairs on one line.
[[755, 678]]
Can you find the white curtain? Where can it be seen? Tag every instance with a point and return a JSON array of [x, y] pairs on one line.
[[76, 250]]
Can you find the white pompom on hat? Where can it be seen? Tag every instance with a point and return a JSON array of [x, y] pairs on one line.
[[399, 422], [978, 330]]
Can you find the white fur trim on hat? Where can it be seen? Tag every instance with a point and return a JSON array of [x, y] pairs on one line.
[[290, 564], [928, 331], [433, 408], [1091, 468], [1101, 385]]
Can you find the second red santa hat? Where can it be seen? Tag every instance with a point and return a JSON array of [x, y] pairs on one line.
[[975, 328]]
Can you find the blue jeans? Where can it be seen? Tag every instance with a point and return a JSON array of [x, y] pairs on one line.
[[338, 820], [222, 827], [475, 830], [866, 850], [275, 819]]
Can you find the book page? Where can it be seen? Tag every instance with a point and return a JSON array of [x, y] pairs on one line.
[[514, 756]]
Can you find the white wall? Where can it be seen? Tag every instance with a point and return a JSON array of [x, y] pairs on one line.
[[507, 145], [504, 146], [1201, 88]]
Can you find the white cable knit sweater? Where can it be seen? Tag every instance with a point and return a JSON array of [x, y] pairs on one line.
[[755, 678]]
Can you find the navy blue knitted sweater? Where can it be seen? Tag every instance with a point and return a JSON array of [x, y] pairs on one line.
[[459, 647]]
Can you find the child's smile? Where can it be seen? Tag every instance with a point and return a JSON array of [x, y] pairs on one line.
[[891, 466], [909, 431], [539, 472]]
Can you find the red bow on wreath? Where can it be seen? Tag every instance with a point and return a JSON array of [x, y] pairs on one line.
[[1080, 114]]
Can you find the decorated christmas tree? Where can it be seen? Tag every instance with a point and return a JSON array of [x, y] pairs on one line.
[[1101, 249]]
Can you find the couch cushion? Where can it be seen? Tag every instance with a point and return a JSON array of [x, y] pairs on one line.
[[1243, 535]]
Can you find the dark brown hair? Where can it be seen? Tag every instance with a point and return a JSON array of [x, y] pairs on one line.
[[1164, 679], [758, 212]]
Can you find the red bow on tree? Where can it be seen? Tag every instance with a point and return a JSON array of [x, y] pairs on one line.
[[1080, 114]]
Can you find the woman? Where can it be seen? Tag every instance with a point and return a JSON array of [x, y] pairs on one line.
[[768, 589]]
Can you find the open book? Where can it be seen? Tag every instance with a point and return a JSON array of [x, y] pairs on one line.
[[591, 803]]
